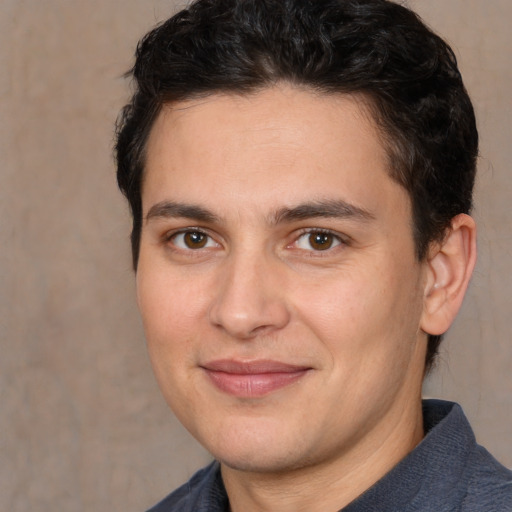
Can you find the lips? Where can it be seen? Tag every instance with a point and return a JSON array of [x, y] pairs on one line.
[[252, 379]]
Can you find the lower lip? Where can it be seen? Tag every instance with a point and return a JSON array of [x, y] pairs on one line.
[[253, 385]]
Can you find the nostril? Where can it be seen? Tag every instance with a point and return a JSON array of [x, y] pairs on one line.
[[248, 302], [246, 318]]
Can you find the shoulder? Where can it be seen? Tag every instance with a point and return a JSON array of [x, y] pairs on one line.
[[204, 491], [490, 485], [463, 475]]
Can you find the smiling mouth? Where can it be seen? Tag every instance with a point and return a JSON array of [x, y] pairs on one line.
[[252, 379]]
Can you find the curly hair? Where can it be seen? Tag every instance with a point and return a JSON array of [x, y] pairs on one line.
[[374, 48]]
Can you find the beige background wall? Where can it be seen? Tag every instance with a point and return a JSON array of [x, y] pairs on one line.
[[82, 424]]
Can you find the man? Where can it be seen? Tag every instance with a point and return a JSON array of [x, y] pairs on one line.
[[300, 175]]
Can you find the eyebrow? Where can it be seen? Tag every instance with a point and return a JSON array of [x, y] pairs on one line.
[[171, 209], [337, 209]]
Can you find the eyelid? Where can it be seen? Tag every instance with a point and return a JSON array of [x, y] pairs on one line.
[[343, 240], [169, 235]]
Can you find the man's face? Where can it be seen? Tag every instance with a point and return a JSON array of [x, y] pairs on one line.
[[277, 279]]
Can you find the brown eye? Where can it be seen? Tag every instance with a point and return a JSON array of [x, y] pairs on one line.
[[317, 241], [192, 240], [321, 241]]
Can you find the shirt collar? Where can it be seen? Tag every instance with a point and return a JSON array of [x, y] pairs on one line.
[[433, 472]]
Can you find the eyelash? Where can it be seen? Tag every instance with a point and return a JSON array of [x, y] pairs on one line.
[[337, 239], [169, 237]]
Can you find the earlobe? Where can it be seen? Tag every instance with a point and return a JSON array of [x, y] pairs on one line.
[[449, 268]]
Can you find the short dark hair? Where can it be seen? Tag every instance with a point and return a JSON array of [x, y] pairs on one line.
[[374, 48]]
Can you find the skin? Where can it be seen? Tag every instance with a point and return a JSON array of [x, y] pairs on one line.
[[232, 269]]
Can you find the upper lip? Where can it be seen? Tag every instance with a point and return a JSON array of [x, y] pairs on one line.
[[252, 367]]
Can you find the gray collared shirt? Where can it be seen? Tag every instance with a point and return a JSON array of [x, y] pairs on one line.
[[446, 472]]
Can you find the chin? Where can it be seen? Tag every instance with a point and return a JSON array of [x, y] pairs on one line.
[[259, 451], [262, 462]]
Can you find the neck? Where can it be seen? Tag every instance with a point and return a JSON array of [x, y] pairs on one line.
[[332, 484]]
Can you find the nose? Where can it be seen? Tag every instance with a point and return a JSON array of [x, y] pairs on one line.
[[250, 299]]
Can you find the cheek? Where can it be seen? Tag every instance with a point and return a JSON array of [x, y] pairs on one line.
[[339, 305], [169, 319], [169, 312], [168, 301], [362, 314]]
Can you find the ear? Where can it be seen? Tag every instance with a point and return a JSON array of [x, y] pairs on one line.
[[449, 268]]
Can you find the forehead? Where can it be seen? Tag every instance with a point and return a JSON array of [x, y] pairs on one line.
[[281, 113], [282, 144]]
